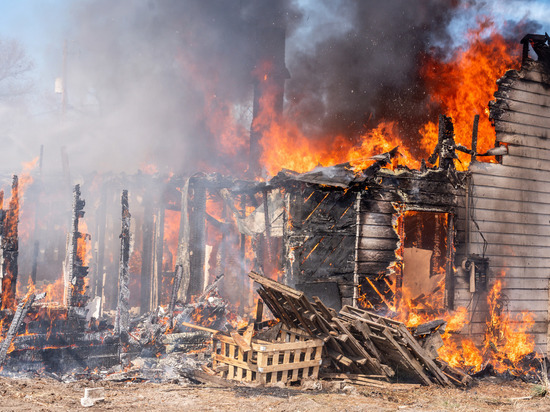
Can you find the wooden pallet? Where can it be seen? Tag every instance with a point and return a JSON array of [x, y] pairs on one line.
[[291, 357], [357, 341]]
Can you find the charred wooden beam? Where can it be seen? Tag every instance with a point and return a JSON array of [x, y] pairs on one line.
[[147, 258], [122, 320], [10, 248], [197, 236], [474, 139], [175, 288], [357, 244], [183, 260], [35, 252], [158, 254], [20, 313], [449, 271], [101, 226], [75, 288]]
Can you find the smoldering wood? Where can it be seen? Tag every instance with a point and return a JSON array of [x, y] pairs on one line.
[[158, 254], [122, 318], [197, 239], [10, 247], [449, 272], [101, 216], [20, 313], [178, 274], [474, 138], [75, 293], [147, 257], [183, 259], [34, 269]]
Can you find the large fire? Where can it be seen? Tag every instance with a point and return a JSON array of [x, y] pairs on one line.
[[505, 343], [461, 86]]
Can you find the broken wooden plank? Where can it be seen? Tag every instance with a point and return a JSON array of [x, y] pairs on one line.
[[262, 280], [20, 313], [122, 318], [408, 358], [421, 353]]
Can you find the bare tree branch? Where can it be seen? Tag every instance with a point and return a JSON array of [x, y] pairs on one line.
[[14, 69]]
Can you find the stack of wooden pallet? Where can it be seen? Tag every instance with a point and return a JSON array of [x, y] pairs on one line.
[[357, 341]]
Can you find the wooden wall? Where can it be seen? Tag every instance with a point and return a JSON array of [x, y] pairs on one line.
[[319, 238], [511, 202]]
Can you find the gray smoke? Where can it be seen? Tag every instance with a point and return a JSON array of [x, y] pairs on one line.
[[148, 80]]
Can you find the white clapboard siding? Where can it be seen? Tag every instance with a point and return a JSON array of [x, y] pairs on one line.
[[522, 138], [511, 220], [520, 120], [528, 152], [526, 299], [517, 101], [494, 169], [516, 161], [508, 125], [512, 239], [511, 204], [507, 182], [517, 194], [529, 87]]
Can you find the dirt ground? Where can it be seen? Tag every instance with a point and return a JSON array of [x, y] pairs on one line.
[[489, 394]]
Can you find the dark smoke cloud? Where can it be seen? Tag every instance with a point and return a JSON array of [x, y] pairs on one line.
[[369, 71], [146, 78]]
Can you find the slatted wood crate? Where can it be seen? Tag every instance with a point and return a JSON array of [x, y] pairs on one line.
[[293, 356]]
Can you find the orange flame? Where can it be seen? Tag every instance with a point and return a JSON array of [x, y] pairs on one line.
[[465, 84]]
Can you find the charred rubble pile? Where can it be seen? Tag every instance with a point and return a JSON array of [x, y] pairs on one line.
[[69, 339]]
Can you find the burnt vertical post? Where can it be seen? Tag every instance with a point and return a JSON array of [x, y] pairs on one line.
[[10, 248], [75, 286], [197, 236], [159, 251], [122, 319], [449, 271], [474, 139], [34, 269], [101, 224], [147, 257], [183, 269], [267, 222], [356, 282]]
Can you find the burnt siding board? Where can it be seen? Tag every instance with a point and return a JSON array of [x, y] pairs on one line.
[[321, 229], [510, 202], [321, 235]]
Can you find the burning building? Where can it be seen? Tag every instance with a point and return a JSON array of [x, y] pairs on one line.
[[414, 242]]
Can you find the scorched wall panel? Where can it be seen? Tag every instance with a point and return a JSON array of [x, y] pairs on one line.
[[510, 212]]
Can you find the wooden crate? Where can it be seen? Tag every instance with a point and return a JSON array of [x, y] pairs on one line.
[[293, 356]]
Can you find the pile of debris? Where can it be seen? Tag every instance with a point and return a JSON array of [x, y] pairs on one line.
[[359, 342]]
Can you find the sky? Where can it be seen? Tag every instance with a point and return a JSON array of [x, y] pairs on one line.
[[142, 62], [42, 26]]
